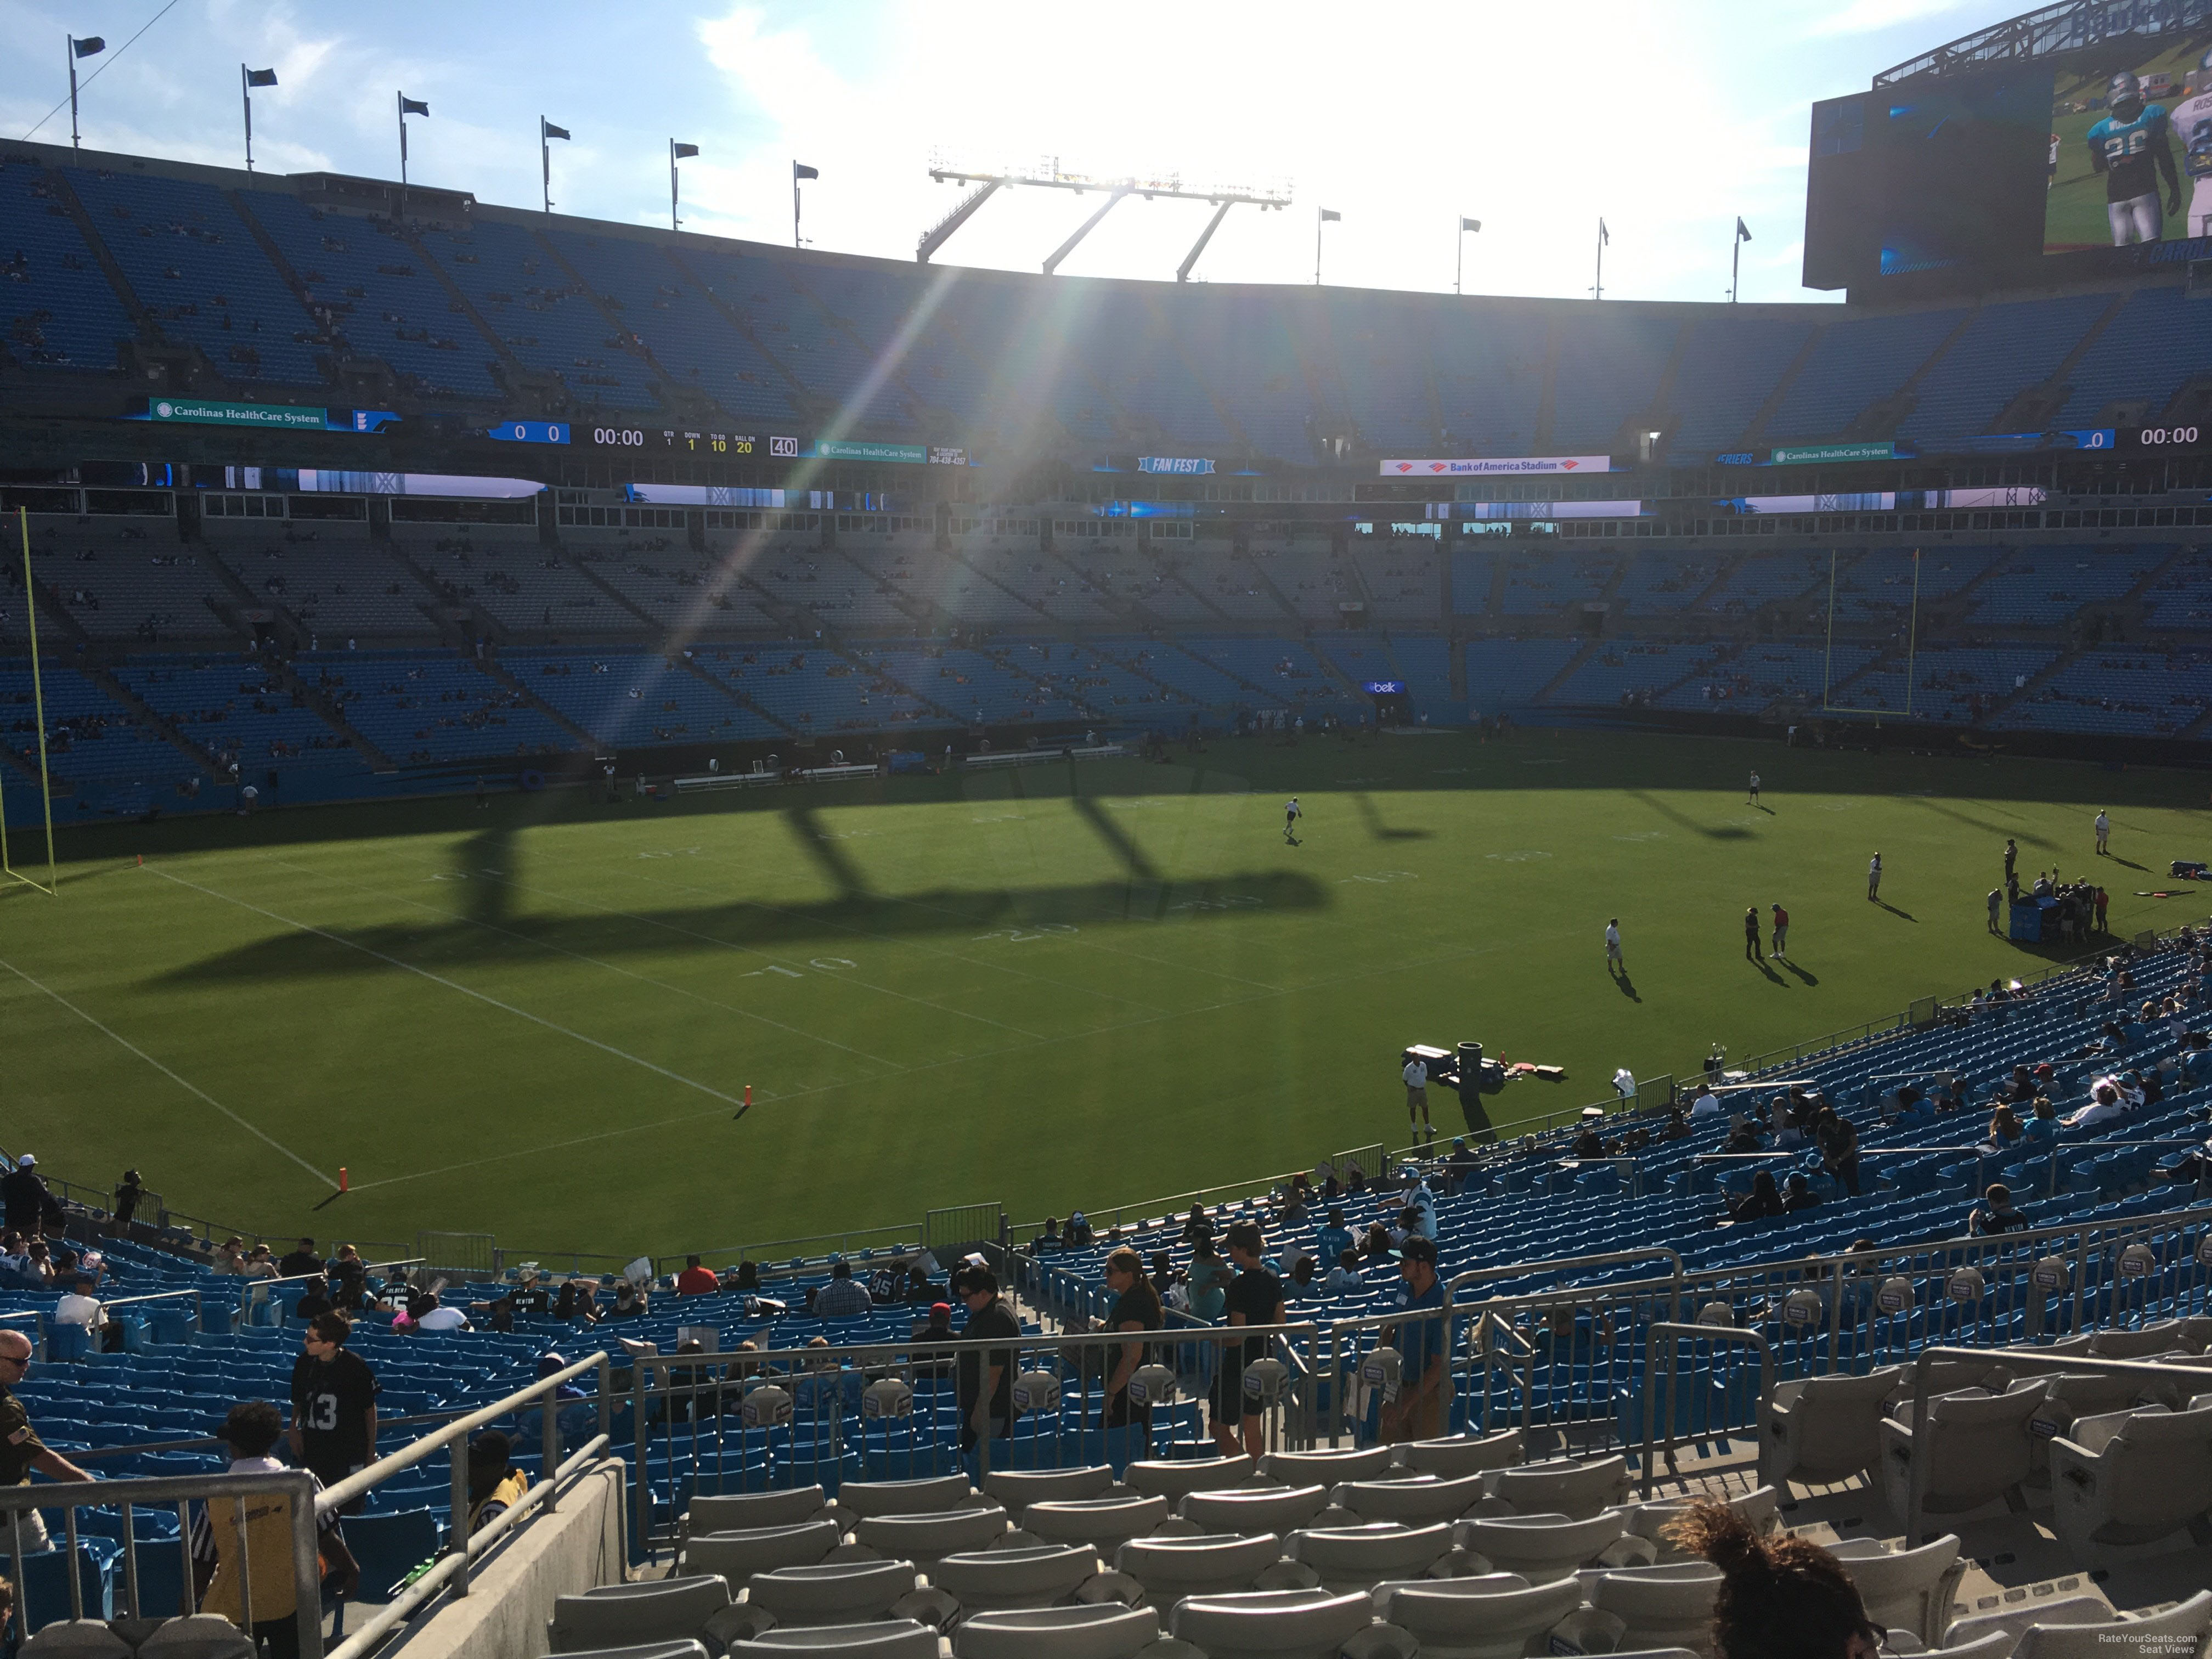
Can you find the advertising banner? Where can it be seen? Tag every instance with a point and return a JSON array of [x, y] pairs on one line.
[[1508, 466], [1179, 464]]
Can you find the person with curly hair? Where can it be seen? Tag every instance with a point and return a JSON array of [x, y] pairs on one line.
[[1780, 1597]]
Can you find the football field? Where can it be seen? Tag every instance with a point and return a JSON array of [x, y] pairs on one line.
[[1066, 985]]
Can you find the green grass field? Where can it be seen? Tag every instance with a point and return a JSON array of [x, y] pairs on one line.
[[1049, 988]]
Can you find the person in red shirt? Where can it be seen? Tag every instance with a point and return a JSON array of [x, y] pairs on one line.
[[1781, 930], [695, 1281]]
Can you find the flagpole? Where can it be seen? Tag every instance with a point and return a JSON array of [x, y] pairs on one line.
[[545, 162], [1459, 266], [246, 97], [69, 51], [794, 202], [1735, 264], [674, 224], [1598, 292], [1318, 222], [402, 98]]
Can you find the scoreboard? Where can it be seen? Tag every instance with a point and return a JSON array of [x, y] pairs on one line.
[[679, 441], [662, 440]]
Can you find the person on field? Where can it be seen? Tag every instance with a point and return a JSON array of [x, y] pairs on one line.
[[2103, 827], [1417, 1099], [1751, 952], [1612, 958], [1780, 930], [1874, 879], [1996, 898], [1754, 801], [1291, 813]]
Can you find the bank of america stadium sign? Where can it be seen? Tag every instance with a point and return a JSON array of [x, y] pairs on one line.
[[1502, 466]]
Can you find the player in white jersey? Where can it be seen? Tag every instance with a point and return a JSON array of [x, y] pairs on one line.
[[1291, 813], [2190, 115]]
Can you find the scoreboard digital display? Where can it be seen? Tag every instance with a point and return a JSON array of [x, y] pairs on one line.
[[676, 440]]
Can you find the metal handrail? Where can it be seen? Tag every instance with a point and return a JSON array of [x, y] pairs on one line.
[[1674, 1332], [182, 1491], [38, 1318], [1559, 1264], [451, 1569]]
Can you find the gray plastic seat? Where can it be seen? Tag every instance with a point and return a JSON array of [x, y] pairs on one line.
[[1216, 1564], [664, 1610], [834, 1592], [1829, 1428], [76, 1638], [924, 1538], [1107, 1630], [1563, 1486], [1359, 1558], [2179, 1631], [1539, 1547], [1905, 1589], [749, 1511], [1172, 1478], [1010, 1579], [1661, 1607], [1276, 1624], [1457, 1455], [1415, 1501], [1491, 1616], [1977, 1446], [203, 1636], [932, 1496], [1019, 1488], [901, 1639], [737, 1555], [1299, 1468], [1254, 1509], [1100, 1520], [647, 1651], [2129, 1478]]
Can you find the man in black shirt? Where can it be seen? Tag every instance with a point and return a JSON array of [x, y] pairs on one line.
[[1995, 1213], [294, 1264], [987, 1375], [333, 1404], [1255, 1298]]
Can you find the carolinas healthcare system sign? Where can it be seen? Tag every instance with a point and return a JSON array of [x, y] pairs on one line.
[[1513, 465]]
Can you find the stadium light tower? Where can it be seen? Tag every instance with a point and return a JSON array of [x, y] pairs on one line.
[[1049, 174]]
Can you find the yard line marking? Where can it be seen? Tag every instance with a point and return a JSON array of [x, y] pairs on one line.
[[455, 984], [1457, 954], [612, 968], [191, 1089]]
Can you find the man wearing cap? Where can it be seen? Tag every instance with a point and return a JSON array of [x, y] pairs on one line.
[[1254, 1298], [20, 1449], [1418, 1413]]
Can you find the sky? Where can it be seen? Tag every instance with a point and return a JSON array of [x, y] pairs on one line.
[[1666, 120]]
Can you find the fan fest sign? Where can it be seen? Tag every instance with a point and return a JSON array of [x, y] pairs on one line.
[[1512, 465]]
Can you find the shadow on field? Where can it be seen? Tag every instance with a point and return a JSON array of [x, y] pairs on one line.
[[736, 925], [2026, 836], [1381, 831], [1906, 915], [1807, 978], [1675, 816]]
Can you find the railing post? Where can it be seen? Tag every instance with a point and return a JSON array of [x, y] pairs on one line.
[[639, 1370], [549, 1448], [458, 1455], [307, 1570]]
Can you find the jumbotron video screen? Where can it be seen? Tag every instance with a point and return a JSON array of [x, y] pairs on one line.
[[2110, 147]]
